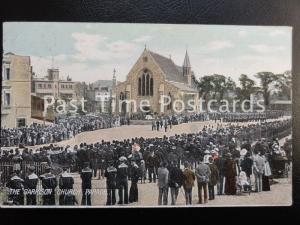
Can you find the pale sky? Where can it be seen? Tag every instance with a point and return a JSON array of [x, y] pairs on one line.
[[90, 51]]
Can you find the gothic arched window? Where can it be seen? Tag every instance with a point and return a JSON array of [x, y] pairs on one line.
[[169, 106], [151, 86], [140, 86], [145, 84]]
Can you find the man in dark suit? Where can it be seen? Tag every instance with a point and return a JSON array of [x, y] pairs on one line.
[[86, 185]]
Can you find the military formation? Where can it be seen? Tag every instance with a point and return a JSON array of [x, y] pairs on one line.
[[219, 156]]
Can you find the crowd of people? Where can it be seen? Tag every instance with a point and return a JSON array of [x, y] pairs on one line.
[[220, 157], [166, 122], [68, 127], [62, 129]]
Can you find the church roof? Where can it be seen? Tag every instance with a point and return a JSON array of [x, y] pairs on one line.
[[183, 87], [173, 72]]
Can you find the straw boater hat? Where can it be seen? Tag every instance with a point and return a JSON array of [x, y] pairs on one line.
[[122, 158], [243, 152]]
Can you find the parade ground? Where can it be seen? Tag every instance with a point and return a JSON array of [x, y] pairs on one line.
[[133, 131], [280, 194]]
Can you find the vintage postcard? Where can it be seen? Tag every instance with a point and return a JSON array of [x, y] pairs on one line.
[[145, 115]]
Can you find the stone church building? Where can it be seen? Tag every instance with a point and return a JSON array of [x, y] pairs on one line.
[[152, 76]]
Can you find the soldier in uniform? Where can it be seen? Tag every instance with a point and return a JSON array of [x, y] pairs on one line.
[[66, 182], [111, 179], [49, 184], [150, 162], [86, 185], [16, 189], [157, 125], [122, 181], [135, 175], [30, 185]]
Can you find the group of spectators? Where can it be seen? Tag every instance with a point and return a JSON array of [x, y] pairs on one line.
[[63, 129]]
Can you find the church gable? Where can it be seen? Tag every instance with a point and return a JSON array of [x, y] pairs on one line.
[[170, 69], [146, 63]]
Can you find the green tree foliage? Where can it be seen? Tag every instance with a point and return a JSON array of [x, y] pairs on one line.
[[283, 84], [246, 88], [266, 80], [215, 87]]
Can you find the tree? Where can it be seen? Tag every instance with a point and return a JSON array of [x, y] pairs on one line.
[[205, 86], [266, 79], [247, 87], [230, 85], [215, 86], [284, 84], [219, 83]]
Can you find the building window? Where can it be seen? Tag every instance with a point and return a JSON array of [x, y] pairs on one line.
[[7, 99], [122, 96], [7, 73], [49, 85], [62, 86], [151, 86], [45, 86], [145, 84], [21, 122], [169, 106], [70, 86], [145, 59], [140, 86], [40, 85]]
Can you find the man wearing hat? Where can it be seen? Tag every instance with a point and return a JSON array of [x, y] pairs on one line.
[[203, 175], [176, 179], [230, 175], [122, 180], [188, 182], [86, 184], [111, 183], [30, 185], [16, 188], [150, 163], [246, 164], [66, 182], [49, 184], [214, 178], [135, 175], [163, 184]]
